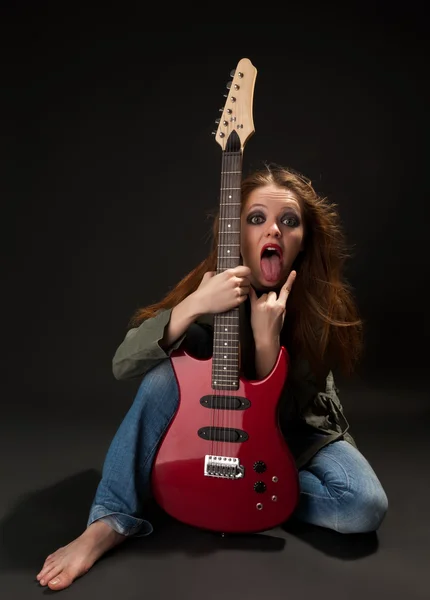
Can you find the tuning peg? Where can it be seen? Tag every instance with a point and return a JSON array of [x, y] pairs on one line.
[[228, 86], [232, 72], [217, 121]]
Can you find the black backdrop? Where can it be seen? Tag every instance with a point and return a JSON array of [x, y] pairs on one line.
[[110, 171]]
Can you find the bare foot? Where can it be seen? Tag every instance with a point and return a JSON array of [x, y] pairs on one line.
[[77, 558]]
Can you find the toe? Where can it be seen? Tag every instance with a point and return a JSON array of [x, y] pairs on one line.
[[49, 574], [60, 581], [47, 566], [43, 572]]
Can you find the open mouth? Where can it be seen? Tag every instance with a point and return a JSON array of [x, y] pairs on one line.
[[271, 263], [269, 251]]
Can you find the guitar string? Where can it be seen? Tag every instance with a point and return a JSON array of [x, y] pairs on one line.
[[233, 250], [221, 267], [217, 316], [227, 321], [228, 324], [218, 405]]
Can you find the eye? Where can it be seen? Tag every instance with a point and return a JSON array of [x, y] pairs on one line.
[[251, 219], [291, 220]]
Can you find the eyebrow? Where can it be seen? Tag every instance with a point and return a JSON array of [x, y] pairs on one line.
[[293, 206]]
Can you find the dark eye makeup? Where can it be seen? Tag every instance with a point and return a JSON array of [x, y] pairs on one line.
[[289, 216]]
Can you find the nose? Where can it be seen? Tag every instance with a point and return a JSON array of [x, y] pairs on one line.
[[273, 230]]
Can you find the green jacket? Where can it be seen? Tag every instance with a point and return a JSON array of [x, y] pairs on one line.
[[306, 406]]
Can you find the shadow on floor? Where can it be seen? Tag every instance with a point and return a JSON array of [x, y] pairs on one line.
[[50, 518], [345, 546]]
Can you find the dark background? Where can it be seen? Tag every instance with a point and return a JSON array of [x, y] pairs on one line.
[[110, 172]]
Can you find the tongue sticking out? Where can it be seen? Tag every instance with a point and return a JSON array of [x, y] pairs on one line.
[[271, 267]]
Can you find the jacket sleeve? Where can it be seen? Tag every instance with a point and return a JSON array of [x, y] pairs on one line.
[[140, 350], [325, 412]]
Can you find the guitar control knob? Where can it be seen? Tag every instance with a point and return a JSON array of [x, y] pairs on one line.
[[259, 466], [259, 487]]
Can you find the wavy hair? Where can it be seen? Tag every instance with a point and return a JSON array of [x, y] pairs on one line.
[[322, 321]]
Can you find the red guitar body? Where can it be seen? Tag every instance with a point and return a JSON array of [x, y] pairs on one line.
[[245, 483]]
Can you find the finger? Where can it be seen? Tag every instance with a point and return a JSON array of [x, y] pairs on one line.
[[241, 271], [271, 297], [286, 288], [252, 294], [242, 281]]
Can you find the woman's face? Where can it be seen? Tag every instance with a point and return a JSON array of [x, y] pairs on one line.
[[271, 218]]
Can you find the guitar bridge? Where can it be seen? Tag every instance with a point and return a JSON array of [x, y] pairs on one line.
[[223, 466]]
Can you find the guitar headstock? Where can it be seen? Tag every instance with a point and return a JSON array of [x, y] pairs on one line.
[[237, 112]]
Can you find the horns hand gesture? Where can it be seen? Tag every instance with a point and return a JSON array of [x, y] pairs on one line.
[[268, 311]]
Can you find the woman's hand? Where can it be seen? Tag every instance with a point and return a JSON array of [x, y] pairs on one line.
[[218, 293], [268, 313]]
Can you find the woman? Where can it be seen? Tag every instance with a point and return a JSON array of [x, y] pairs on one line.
[[292, 296]]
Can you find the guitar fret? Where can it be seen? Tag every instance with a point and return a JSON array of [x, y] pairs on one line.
[[225, 332], [220, 360], [224, 353], [226, 345]]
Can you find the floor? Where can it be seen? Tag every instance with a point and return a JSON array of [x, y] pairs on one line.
[[51, 465]]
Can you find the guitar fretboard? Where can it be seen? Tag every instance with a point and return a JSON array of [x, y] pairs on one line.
[[225, 362]]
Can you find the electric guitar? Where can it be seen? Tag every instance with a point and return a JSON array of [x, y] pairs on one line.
[[223, 464]]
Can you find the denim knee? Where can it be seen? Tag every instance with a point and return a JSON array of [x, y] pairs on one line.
[[160, 378], [365, 512]]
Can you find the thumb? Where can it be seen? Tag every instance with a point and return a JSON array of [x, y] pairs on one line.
[[208, 275]]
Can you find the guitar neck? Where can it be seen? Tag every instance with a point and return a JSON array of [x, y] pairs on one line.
[[225, 365], [235, 127]]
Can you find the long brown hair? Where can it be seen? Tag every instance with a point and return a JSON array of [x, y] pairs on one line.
[[322, 322]]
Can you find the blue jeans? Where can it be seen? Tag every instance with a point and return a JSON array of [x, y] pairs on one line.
[[338, 488]]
